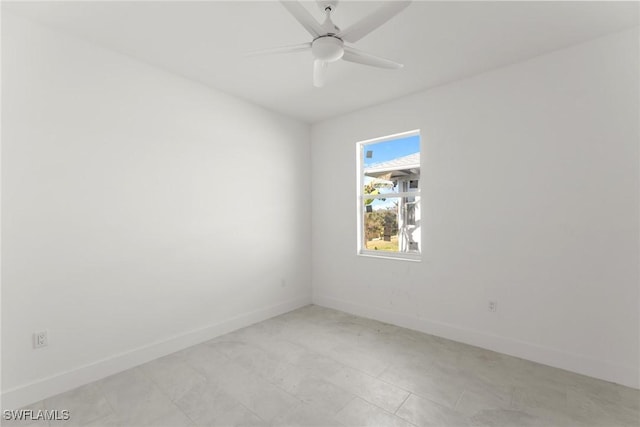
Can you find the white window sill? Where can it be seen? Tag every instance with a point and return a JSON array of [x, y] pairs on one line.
[[412, 257]]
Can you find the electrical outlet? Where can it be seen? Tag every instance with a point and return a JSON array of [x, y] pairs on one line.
[[493, 305], [40, 339]]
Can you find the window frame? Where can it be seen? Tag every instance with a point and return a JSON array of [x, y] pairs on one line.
[[360, 198]]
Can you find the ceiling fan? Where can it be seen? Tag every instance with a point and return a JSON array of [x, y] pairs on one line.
[[328, 44]]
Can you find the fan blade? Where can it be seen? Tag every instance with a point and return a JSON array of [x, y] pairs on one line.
[[303, 16], [363, 27], [354, 55], [319, 72], [284, 49]]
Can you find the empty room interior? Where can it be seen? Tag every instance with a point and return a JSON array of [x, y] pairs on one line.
[[320, 213]]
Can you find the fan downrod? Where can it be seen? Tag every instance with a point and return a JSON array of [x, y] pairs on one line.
[[327, 4]]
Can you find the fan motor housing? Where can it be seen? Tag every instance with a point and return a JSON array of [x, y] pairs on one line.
[[327, 48]]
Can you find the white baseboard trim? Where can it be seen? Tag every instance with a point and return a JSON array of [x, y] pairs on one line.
[[626, 375], [18, 397]]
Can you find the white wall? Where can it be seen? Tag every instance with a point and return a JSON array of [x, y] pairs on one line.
[[530, 182], [125, 232]]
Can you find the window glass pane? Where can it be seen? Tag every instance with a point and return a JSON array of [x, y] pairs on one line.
[[392, 225], [381, 228], [391, 166]]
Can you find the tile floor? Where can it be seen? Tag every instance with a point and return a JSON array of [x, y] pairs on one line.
[[320, 367]]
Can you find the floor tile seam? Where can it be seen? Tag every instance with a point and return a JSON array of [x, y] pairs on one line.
[[219, 388], [340, 424], [273, 357], [422, 396], [151, 423], [98, 417], [342, 365], [344, 407], [154, 383], [198, 370], [383, 381], [345, 365], [516, 406], [384, 372], [315, 377], [173, 402], [371, 403], [547, 416], [252, 412], [284, 390], [455, 405], [299, 344], [303, 403], [175, 407], [210, 344], [288, 411], [111, 406], [386, 411], [305, 347], [267, 378], [269, 352], [511, 398], [453, 408], [403, 402], [414, 363], [230, 359], [268, 381], [355, 396], [49, 407]]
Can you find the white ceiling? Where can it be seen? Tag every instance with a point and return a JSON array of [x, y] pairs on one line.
[[437, 41]]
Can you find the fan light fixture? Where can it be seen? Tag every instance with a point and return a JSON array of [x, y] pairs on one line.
[[327, 48]]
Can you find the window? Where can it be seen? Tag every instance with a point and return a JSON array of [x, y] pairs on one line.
[[389, 196]]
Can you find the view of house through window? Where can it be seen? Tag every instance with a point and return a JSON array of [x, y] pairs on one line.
[[389, 195]]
